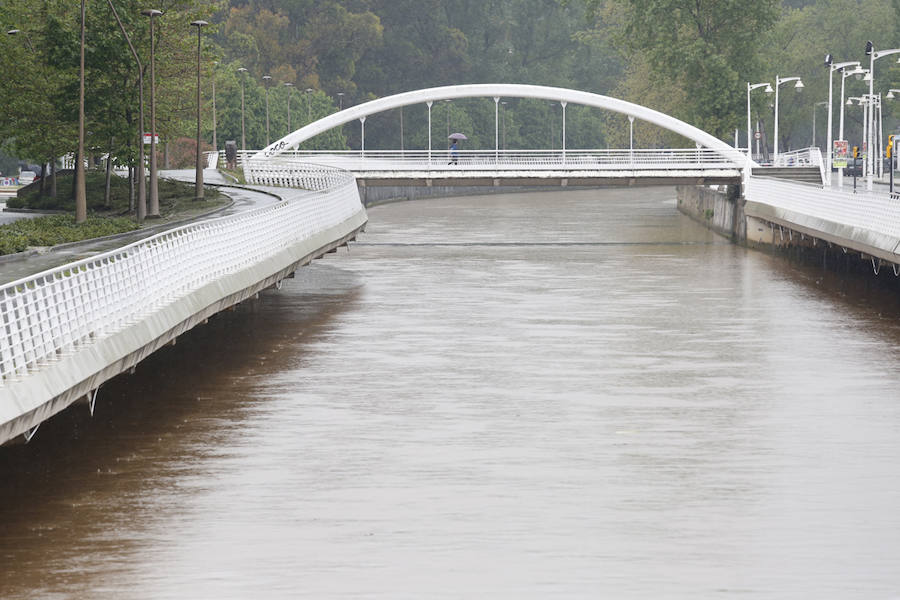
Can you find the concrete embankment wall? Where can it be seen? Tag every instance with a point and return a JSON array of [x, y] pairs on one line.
[[373, 195], [716, 207], [721, 209]]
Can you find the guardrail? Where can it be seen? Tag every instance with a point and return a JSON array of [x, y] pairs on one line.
[[873, 217], [59, 311]]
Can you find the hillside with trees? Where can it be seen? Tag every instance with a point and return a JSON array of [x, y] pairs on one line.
[[690, 59]]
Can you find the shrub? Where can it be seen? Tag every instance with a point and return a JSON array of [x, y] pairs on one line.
[[58, 229]]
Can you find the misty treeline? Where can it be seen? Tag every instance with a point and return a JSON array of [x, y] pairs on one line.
[[688, 58]]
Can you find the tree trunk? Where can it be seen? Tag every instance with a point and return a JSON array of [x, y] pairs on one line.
[[106, 191], [131, 189], [53, 179]]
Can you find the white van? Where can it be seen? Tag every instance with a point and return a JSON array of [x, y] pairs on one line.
[[26, 177]]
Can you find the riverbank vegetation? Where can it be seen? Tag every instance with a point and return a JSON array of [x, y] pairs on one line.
[[689, 59]]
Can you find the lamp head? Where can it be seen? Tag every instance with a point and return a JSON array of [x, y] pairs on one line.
[[798, 85], [890, 95], [870, 48], [829, 59], [151, 12], [198, 24], [769, 89]]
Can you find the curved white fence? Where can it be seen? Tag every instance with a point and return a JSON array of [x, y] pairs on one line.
[[49, 315]]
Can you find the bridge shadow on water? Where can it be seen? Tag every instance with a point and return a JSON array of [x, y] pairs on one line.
[[183, 400]]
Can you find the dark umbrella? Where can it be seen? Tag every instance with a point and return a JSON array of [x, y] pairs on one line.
[[456, 136]]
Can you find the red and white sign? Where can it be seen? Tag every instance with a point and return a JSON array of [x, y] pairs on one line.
[[147, 139]]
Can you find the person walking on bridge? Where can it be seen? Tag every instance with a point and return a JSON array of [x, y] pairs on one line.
[[454, 153]]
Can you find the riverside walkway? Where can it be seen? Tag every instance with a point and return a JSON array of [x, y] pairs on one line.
[[65, 331]]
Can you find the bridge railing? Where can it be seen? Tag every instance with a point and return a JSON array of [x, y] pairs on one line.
[[419, 160], [51, 314]]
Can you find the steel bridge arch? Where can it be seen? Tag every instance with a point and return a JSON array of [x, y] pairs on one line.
[[506, 90]]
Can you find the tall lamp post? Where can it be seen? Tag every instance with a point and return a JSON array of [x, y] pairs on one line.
[[198, 177], [80, 190], [308, 109], [266, 80], [154, 176], [242, 70], [750, 88], [871, 140], [340, 96], [290, 87], [829, 150], [858, 72], [215, 142], [778, 82]]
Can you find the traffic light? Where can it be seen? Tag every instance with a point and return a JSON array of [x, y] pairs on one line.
[[855, 151]]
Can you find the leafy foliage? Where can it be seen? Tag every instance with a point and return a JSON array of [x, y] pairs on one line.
[[58, 229]]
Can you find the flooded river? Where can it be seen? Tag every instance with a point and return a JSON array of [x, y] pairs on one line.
[[542, 395]]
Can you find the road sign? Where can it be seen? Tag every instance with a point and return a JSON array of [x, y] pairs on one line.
[[147, 139], [757, 135]]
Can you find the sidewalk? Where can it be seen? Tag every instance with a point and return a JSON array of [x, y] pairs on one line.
[[18, 266]]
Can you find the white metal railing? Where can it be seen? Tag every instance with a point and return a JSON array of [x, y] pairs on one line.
[[804, 157], [869, 212], [57, 311], [513, 160]]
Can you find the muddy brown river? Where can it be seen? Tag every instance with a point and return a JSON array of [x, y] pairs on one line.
[[541, 395]]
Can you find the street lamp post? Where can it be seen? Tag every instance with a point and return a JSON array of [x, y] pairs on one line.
[[308, 109], [563, 104], [871, 140], [266, 80], [429, 103], [750, 88], [340, 96], [198, 176], [778, 82], [858, 71], [496, 128], [290, 87], [154, 176], [215, 141], [832, 67], [242, 70], [80, 190]]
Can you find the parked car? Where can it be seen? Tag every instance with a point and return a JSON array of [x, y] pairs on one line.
[[26, 177]]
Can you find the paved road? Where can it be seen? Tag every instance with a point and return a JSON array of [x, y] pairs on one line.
[[16, 267]]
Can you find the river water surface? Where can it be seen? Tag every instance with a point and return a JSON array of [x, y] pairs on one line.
[[542, 395]]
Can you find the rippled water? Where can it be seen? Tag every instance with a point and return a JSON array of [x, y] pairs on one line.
[[579, 395]]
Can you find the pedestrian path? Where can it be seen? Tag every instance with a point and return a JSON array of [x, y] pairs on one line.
[[16, 266]]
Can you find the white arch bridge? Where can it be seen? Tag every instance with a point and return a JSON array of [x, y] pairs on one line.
[[709, 161]]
